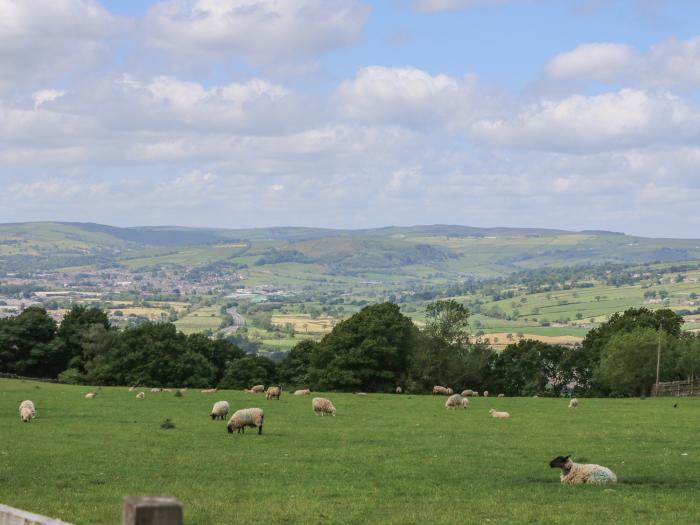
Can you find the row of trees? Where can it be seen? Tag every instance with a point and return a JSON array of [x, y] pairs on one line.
[[376, 349]]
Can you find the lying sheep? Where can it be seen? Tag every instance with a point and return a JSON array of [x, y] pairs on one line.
[[141, 395], [273, 392], [467, 393], [219, 410], [246, 417], [573, 403], [27, 412], [210, 390], [156, 389], [323, 406], [580, 473], [258, 388], [90, 395], [441, 390], [455, 401], [497, 414], [302, 392], [132, 388], [398, 390]]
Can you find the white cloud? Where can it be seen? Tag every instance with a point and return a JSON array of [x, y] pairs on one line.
[[453, 5], [259, 31], [47, 95], [41, 40], [624, 119], [594, 61]]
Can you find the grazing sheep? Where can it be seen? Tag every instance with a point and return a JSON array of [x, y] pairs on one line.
[[210, 390], [501, 415], [246, 417], [258, 388], [467, 393], [475, 394], [156, 389], [219, 410], [501, 395], [27, 412], [141, 395], [398, 390], [90, 395], [450, 392], [441, 390], [454, 401], [302, 392], [486, 393], [166, 389], [273, 392], [580, 473], [322, 406], [464, 403], [573, 403]]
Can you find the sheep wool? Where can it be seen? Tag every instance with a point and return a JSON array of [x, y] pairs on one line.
[[486, 393], [466, 393], [246, 417], [90, 395], [27, 412], [398, 390], [273, 392], [302, 392], [323, 406], [464, 403], [501, 395], [132, 388], [156, 389], [258, 388], [210, 390], [141, 395], [440, 390], [573, 403], [219, 410], [449, 392], [454, 401], [581, 473], [500, 415]]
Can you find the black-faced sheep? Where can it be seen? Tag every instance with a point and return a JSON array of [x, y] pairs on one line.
[[455, 401], [398, 390], [580, 473], [246, 417]]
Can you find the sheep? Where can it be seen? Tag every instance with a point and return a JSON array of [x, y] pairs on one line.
[[27, 412], [501, 395], [360, 393], [440, 390], [475, 394], [219, 410], [398, 390], [258, 388], [573, 403], [455, 401], [132, 388], [497, 414], [323, 406], [302, 392], [467, 393], [580, 473], [449, 392], [90, 395], [141, 395], [156, 389], [210, 390], [486, 393], [273, 392], [246, 417], [248, 391]]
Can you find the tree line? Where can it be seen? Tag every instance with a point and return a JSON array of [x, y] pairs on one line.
[[374, 350]]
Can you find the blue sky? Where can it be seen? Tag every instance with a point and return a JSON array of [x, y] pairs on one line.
[[576, 114]]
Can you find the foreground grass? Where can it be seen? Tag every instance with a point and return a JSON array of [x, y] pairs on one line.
[[383, 459]]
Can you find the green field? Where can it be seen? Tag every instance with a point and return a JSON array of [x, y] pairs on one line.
[[201, 319], [383, 459]]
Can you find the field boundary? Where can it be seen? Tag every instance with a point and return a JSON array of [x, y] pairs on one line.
[[684, 387], [12, 516]]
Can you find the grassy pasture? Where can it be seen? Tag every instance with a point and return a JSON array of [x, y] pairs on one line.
[[205, 318], [383, 459]]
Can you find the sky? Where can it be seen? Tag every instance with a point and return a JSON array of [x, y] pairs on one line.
[[570, 114]]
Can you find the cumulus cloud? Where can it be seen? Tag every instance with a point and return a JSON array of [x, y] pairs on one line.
[[453, 5], [595, 61], [258, 31], [41, 40]]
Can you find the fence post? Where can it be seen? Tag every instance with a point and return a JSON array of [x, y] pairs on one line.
[[151, 510]]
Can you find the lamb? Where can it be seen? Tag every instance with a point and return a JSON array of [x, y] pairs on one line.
[[455, 401], [467, 393], [90, 395], [580, 473], [497, 414], [258, 388], [441, 390], [246, 417], [273, 392], [302, 392], [323, 406], [219, 410], [27, 412], [398, 390], [140, 395], [573, 403]]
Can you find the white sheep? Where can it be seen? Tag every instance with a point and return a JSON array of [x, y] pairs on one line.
[[573, 403], [467, 393], [246, 417], [455, 401], [210, 390], [219, 410], [501, 395], [464, 403], [258, 388], [501, 415], [141, 395], [302, 392], [132, 388], [580, 473], [398, 390], [27, 412], [273, 392], [486, 393], [90, 395], [475, 394], [156, 389], [441, 390], [322, 406]]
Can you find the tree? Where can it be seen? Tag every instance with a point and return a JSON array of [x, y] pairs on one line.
[[689, 357], [28, 344], [249, 371], [73, 328], [447, 322], [294, 369]]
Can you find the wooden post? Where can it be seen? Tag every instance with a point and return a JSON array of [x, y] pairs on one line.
[[12, 516], [151, 510]]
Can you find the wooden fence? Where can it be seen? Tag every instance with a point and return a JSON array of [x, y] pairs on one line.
[[685, 387]]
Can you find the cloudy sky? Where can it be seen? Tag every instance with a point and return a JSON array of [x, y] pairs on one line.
[[575, 114]]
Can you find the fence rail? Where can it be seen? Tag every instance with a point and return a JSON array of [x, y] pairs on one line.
[[685, 387]]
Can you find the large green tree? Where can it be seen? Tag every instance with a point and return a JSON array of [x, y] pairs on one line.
[[249, 371], [72, 330], [28, 344], [294, 369]]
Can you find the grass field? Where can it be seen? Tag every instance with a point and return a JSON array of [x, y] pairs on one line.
[[383, 459], [205, 318]]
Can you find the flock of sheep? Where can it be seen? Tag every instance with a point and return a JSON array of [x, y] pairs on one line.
[[572, 473]]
